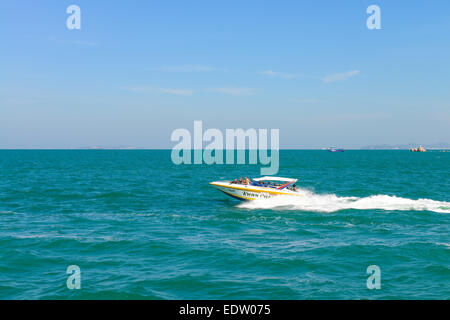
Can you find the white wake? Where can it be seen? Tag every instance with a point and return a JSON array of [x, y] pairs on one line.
[[310, 201]]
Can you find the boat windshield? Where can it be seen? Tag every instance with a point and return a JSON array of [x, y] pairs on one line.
[[274, 182]]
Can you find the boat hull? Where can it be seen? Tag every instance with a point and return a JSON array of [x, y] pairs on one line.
[[250, 193]]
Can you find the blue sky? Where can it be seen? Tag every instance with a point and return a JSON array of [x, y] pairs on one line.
[[137, 70]]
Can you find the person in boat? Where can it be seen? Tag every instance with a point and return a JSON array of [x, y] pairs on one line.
[[234, 181], [257, 184], [240, 180], [294, 187], [247, 181]]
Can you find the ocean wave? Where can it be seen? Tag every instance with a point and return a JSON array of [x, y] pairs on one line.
[[8, 212], [311, 201]]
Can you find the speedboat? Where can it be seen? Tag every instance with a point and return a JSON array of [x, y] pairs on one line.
[[258, 188]]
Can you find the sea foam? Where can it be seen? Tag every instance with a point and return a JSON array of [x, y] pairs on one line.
[[310, 201]]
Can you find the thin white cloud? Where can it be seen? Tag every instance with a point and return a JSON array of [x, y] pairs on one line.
[[340, 76], [181, 92], [174, 91], [189, 68], [234, 91], [281, 74]]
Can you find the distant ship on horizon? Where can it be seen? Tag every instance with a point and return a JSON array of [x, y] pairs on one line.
[[419, 149], [333, 149]]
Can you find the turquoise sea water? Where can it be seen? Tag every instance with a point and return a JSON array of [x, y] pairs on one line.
[[140, 227]]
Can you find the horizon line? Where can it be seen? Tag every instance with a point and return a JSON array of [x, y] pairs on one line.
[[168, 149]]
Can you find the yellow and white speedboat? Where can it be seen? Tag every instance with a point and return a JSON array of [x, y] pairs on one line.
[[258, 188]]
